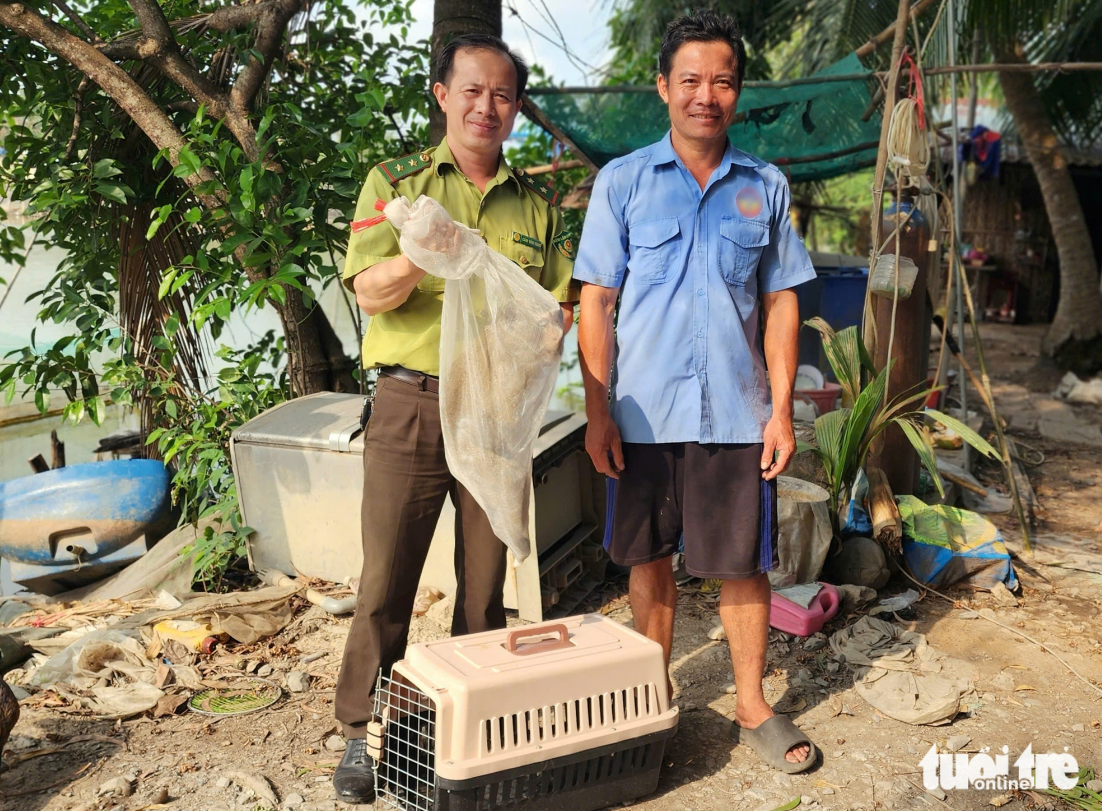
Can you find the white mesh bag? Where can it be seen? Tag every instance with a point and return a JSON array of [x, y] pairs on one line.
[[500, 347]]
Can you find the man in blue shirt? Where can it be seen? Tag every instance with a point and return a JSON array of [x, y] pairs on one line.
[[693, 238]]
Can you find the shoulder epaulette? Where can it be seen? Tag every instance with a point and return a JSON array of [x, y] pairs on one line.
[[548, 194], [396, 169]]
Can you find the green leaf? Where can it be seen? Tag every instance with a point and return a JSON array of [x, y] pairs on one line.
[[112, 191], [254, 260], [166, 282], [802, 447], [187, 163], [96, 410], [902, 401], [924, 450], [170, 408], [829, 429], [847, 356], [965, 433], [105, 168], [858, 433]]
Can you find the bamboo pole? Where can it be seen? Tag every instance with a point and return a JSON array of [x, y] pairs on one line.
[[890, 94], [825, 156], [994, 67], [1034, 67], [892, 30], [983, 387], [958, 209], [533, 111], [547, 168], [989, 398]]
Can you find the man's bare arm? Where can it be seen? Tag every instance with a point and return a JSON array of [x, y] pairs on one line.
[[596, 343], [782, 349], [386, 286], [567, 315]]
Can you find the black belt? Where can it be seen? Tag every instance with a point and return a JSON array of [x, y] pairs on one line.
[[422, 381]]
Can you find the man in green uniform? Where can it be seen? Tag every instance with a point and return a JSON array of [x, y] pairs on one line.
[[406, 478]]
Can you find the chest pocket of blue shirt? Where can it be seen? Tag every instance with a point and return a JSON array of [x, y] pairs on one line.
[[741, 248], [655, 248]]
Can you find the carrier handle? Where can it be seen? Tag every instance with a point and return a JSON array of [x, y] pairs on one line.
[[540, 647]]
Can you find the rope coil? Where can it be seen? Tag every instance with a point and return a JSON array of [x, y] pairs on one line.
[[908, 144]]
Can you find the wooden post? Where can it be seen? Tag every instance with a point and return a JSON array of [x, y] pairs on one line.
[[910, 350], [58, 451], [869, 332]]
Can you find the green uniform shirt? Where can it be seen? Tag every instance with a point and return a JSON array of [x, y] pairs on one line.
[[516, 215]]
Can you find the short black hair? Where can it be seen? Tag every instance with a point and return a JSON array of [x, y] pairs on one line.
[[480, 42], [702, 26]]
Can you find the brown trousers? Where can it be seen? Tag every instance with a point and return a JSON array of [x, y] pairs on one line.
[[405, 481]]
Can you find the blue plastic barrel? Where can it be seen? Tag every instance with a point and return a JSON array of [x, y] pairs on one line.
[[837, 295], [843, 297]]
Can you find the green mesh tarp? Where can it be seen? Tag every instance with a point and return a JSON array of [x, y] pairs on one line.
[[812, 131]]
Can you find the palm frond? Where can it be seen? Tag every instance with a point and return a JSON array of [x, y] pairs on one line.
[[923, 449], [856, 440], [846, 355], [142, 312], [830, 29], [829, 429], [964, 432], [902, 401], [636, 28], [1072, 100]]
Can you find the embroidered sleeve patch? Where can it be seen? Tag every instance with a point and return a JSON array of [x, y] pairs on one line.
[[524, 239], [565, 245]]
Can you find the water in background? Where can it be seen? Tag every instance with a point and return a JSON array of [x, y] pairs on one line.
[[18, 318]]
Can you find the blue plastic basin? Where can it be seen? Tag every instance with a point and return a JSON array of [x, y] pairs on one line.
[[81, 513]]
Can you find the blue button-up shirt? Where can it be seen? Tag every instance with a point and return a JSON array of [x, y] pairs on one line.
[[691, 266]]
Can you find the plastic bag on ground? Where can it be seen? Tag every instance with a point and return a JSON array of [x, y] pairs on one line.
[[500, 347], [899, 673], [943, 545], [105, 671], [804, 532]]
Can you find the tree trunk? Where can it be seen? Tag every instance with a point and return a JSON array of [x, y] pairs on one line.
[[450, 18], [315, 358], [1076, 331]]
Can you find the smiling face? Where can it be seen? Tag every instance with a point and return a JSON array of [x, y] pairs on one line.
[[701, 91], [479, 101]]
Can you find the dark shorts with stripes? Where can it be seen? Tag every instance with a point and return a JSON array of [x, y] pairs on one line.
[[713, 494]]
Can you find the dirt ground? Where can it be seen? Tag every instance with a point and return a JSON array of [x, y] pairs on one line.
[[869, 761]]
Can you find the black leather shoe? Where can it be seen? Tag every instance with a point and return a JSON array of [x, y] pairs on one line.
[[354, 779]]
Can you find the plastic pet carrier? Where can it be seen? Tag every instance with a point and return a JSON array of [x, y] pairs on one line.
[[572, 716]]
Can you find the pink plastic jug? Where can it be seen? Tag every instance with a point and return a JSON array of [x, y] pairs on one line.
[[787, 616]]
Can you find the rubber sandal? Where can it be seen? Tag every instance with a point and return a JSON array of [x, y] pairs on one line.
[[772, 739]]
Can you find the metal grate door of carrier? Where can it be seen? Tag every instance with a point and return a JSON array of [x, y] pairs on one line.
[[406, 775]]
